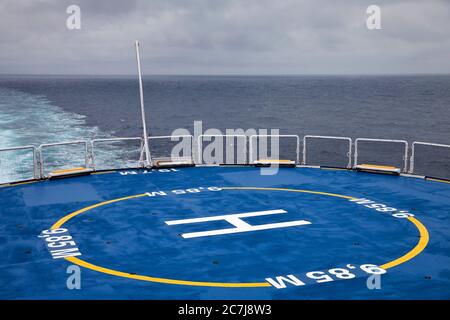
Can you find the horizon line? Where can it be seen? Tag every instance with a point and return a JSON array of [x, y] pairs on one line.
[[227, 74]]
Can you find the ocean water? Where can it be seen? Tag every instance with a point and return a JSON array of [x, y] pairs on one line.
[[41, 109], [27, 119]]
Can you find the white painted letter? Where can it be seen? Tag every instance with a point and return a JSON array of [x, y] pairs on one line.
[[279, 283]]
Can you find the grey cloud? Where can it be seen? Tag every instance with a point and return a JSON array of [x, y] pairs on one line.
[[225, 36]]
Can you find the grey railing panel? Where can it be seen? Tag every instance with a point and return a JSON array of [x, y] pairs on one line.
[[172, 147], [18, 164], [384, 154], [117, 153], [430, 159], [63, 155], [226, 150], [283, 152], [328, 155]]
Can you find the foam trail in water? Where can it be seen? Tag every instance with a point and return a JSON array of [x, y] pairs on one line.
[[27, 119]]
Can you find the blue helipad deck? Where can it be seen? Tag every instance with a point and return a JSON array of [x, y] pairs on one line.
[[228, 233]]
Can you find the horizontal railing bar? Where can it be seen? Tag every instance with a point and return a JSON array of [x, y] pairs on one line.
[[169, 137], [328, 137], [222, 135], [18, 148], [431, 144], [276, 135], [115, 139], [63, 143], [380, 140]]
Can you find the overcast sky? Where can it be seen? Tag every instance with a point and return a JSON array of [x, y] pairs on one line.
[[225, 37]]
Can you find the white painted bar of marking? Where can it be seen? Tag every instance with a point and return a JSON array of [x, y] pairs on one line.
[[238, 223], [240, 229], [225, 217]]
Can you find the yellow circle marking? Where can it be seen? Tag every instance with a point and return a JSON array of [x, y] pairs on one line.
[[438, 180], [423, 241]]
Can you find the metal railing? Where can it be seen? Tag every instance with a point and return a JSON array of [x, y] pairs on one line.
[[349, 153], [227, 137], [38, 164], [176, 138], [34, 170], [405, 155], [96, 142], [277, 136], [413, 152], [40, 151]]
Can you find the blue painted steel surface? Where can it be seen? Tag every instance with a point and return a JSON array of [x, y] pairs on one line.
[[132, 236]]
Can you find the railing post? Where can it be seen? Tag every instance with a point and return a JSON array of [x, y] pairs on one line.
[[87, 156], [411, 159], [92, 155], [349, 155], [41, 162], [304, 151], [405, 170], [355, 158]]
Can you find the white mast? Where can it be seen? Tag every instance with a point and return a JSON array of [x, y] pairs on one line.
[[148, 159]]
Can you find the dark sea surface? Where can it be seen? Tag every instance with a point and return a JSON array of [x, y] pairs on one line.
[[396, 107], [38, 109]]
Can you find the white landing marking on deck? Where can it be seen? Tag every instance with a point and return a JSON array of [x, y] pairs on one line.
[[239, 225]]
